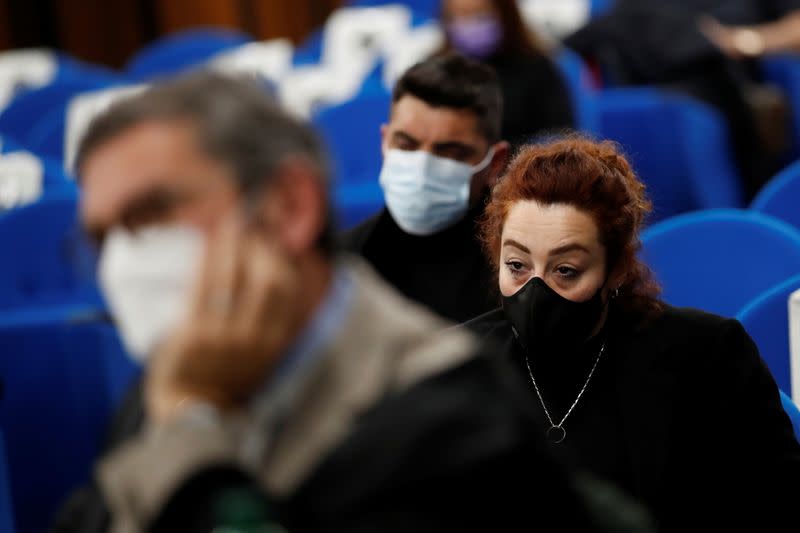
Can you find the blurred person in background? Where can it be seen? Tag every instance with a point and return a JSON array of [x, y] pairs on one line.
[[709, 50], [535, 97], [675, 406], [285, 383], [442, 150]]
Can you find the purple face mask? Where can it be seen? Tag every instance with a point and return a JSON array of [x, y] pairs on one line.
[[477, 37]]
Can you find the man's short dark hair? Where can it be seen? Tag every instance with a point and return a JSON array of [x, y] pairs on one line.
[[452, 80], [236, 121]]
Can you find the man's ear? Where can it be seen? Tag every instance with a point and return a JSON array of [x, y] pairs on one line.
[[295, 207], [489, 176], [502, 153]]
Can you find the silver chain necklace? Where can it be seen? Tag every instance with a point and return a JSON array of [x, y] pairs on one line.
[[556, 433]]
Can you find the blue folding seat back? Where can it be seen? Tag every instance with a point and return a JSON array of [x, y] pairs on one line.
[[598, 8], [794, 413], [51, 263], [55, 365], [713, 177], [177, 52], [72, 70], [309, 52], [719, 260], [420, 9], [645, 124], [9, 144], [355, 202], [780, 197], [6, 507], [352, 133], [36, 118], [578, 78], [784, 71], [679, 148], [766, 319]]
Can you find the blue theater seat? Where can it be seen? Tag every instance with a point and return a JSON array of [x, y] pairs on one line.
[[719, 260], [63, 368], [51, 264], [421, 9], [598, 8], [36, 118], [180, 51], [678, 146], [578, 79], [780, 197], [793, 412], [784, 71], [6, 508], [766, 319], [352, 132]]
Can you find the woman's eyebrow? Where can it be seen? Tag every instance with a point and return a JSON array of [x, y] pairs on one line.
[[572, 247], [515, 244]]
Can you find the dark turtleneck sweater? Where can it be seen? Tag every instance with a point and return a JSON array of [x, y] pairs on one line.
[[593, 429], [446, 271]]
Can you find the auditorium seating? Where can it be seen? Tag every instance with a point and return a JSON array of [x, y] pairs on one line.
[[49, 263], [784, 72], [794, 413], [719, 260], [352, 133], [181, 51], [62, 368], [779, 198], [678, 146], [6, 507], [36, 118], [766, 319]]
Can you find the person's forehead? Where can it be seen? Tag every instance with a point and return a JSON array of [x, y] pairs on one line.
[[429, 124], [149, 154], [543, 227]]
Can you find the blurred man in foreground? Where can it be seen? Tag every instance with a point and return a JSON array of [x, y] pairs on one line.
[[286, 383]]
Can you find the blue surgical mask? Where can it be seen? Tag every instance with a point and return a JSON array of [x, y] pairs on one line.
[[425, 193]]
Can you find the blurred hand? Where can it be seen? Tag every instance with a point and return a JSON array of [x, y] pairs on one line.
[[734, 42], [244, 314]]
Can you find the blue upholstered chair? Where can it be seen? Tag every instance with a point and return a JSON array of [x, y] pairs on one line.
[[180, 51], [719, 260], [766, 319], [780, 197]]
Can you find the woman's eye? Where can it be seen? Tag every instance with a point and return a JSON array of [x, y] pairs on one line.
[[567, 272], [515, 267]]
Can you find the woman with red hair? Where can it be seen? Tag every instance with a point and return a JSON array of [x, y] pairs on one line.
[[673, 405]]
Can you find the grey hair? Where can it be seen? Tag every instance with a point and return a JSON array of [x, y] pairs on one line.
[[237, 123]]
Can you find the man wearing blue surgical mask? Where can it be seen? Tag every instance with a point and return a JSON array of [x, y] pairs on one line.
[[442, 151]]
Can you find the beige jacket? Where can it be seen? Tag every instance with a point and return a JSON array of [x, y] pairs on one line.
[[386, 343]]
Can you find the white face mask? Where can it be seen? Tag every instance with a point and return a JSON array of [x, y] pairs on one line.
[[147, 279], [425, 193]]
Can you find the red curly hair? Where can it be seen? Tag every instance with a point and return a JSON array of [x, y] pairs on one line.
[[593, 177]]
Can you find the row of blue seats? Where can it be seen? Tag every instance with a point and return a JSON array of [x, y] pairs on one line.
[[661, 131], [679, 146]]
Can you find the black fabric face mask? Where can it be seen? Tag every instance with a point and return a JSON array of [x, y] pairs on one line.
[[542, 318]]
